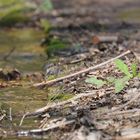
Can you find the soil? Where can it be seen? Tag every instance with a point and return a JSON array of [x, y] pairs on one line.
[[102, 114]]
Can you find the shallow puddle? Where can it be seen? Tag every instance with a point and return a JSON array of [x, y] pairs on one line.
[[20, 48], [130, 15]]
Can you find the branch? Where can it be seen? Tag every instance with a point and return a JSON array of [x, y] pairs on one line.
[[80, 72], [45, 130], [105, 39], [72, 100], [124, 105]]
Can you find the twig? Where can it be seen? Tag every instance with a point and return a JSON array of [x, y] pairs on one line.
[[10, 114], [127, 113], [77, 61], [105, 39], [124, 105], [132, 111], [51, 128], [80, 72], [9, 54], [2, 117], [72, 100], [21, 121], [135, 136], [129, 134]]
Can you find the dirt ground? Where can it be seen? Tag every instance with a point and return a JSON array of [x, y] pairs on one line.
[[93, 113], [100, 113]]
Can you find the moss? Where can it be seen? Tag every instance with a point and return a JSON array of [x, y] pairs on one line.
[[25, 40], [51, 77], [59, 97], [13, 18], [22, 99], [14, 11], [55, 94], [131, 14], [26, 56], [54, 45]]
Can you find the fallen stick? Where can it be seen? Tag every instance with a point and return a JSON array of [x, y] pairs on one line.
[[124, 105], [80, 72], [72, 100], [2, 117], [129, 134], [134, 136], [22, 119], [44, 130], [126, 113], [105, 39], [131, 111], [10, 114], [9, 54]]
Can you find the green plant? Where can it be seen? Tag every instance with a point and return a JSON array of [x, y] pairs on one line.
[[46, 25], [14, 11], [46, 5], [119, 83], [54, 45], [97, 82], [19, 11]]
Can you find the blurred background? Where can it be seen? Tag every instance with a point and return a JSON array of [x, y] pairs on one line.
[[37, 35], [25, 25]]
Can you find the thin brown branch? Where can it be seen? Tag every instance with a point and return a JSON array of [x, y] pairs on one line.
[[129, 134], [105, 39], [45, 130], [125, 113], [2, 117], [9, 54], [22, 119], [70, 101], [132, 111], [124, 105], [80, 72], [129, 137], [10, 114]]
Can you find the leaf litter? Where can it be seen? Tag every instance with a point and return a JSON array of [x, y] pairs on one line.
[[92, 113]]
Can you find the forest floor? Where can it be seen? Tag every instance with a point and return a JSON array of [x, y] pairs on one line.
[[77, 110]]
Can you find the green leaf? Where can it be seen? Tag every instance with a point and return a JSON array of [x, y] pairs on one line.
[[97, 82], [45, 25], [138, 75], [134, 67], [119, 86], [55, 45], [46, 5], [122, 67], [111, 79], [120, 83]]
